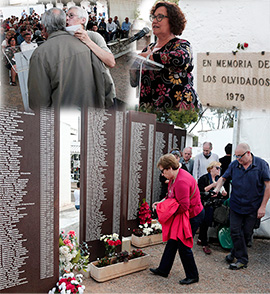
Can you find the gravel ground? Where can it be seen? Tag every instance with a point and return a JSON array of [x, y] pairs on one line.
[[215, 277]]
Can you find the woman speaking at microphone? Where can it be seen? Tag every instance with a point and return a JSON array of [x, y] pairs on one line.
[[172, 86]]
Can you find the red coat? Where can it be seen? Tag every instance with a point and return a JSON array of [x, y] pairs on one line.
[[175, 224]]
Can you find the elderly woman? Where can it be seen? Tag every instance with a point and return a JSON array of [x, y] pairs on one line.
[[183, 190], [208, 183], [171, 87]]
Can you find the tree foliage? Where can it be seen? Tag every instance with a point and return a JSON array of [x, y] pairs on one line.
[[224, 118], [182, 118]]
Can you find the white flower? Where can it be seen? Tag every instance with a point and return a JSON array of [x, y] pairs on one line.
[[80, 290], [115, 236], [69, 266], [74, 253], [68, 291], [62, 286], [146, 225], [74, 282], [140, 226]]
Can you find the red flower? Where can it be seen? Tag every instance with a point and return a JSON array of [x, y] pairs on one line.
[[71, 233], [63, 281], [110, 242], [70, 287], [118, 242], [245, 45]]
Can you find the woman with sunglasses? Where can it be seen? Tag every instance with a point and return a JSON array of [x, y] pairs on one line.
[[172, 86], [208, 183]]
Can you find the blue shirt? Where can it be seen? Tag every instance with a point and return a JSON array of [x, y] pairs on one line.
[[247, 185], [126, 26]]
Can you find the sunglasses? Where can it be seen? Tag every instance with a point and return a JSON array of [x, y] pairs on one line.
[[218, 167], [158, 17], [240, 156]]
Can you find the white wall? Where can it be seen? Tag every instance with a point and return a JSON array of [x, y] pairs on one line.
[[219, 139], [254, 130]]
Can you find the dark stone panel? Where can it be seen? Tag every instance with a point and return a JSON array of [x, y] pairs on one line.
[[140, 145], [163, 145], [179, 139], [102, 151], [29, 205]]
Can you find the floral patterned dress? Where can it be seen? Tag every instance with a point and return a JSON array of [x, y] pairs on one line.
[[172, 86]]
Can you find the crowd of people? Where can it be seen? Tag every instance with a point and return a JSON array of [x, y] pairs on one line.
[[183, 208], [19, 34]]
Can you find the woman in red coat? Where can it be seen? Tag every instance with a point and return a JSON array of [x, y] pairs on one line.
[[183, 189]]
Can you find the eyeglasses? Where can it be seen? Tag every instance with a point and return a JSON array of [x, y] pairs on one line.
[[240, 156], [158, 17], [218, 167], [71, 15], [162, 170]]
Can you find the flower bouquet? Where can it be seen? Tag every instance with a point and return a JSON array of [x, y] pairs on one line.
[[110, 242], [68, 284], [71, 254], [148, 233]]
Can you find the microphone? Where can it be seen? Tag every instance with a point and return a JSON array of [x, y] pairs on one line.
[[140, 34], [115, 47]]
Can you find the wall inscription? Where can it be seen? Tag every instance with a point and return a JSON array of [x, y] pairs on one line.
[[27, 203], [242, 80]]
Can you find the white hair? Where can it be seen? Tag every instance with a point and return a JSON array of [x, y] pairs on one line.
[[82, 13], [54, 20]]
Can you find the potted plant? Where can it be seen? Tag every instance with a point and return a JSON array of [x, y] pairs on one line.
[[148, 232], [108, 268]]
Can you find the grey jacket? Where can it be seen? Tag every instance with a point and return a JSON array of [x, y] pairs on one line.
[[64, 72]]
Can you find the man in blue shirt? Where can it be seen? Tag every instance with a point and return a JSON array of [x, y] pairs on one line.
[[126, 25], [250, 193]]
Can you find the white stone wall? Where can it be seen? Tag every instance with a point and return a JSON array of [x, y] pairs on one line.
[[123, 9]]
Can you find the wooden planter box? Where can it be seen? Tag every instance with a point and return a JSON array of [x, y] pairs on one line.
[[102, 274], [144, 241]]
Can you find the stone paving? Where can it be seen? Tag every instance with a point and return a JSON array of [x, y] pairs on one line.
[[215, 277]]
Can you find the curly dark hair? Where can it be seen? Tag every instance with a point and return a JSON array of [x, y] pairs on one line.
[[176, 17], [12, 37]]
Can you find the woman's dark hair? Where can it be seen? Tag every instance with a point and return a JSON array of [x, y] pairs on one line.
[[12, 37], [176, 17]]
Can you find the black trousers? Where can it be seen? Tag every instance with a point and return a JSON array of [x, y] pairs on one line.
[[241, 226], [186, 256], [185, 253]]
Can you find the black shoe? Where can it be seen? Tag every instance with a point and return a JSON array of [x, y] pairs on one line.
[[237, 265], [229, 258], [156, 271], [188, 281]]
